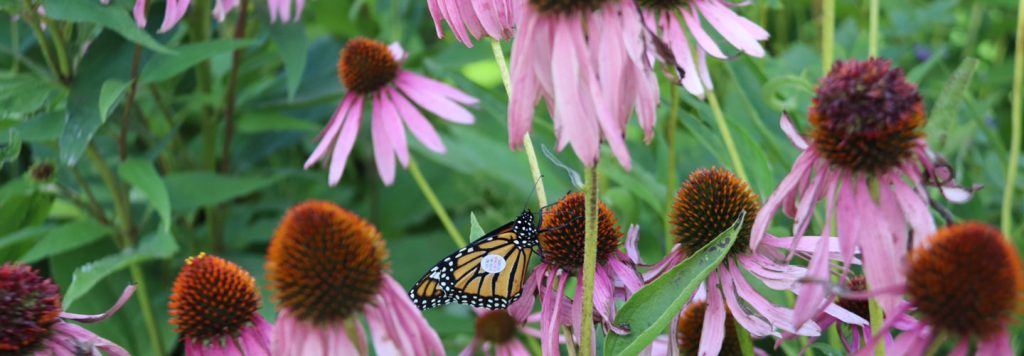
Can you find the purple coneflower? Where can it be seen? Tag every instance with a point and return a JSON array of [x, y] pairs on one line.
[[372, 72], [664, 16], [589, 61], [867, 139], [32, 322], [174, 11], [707, 204], [477, 18], [326, 265], [497, 333], [959, 296], [562, 247], [215, 304]]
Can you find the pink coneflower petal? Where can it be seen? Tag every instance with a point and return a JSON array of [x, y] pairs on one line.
[[417, 123], [92, 318], [346, 139], [392, 124], [792, 133], [436, 103], [733, 32], [697, 30], [222, 7], [570, 95], [712, 332], [801, 167], [383, 149], [434, 86], [139, 12], [70, 338], [328, 136], [550, 311], [998, 344], [681, 50], [757, 326]]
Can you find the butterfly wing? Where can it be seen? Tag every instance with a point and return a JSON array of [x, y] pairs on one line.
[[491, 275]]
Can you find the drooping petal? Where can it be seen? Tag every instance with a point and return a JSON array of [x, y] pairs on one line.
[[713, 328], [329, 134], [383, 149], [393, 128], [92, 318], [346, 139], [417, 123]]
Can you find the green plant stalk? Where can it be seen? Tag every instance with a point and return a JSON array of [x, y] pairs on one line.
[[147, 311], [730, 145], [1006, 218], [31, 20], [60, 45], [671, 179], [873, 29], [589, 258], [531, 154], [875, 312], [828, 34], [15, 43], [746, 343], [229, 98], [442, 215]]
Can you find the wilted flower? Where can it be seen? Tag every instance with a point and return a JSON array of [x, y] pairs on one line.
[[867, 139], [32, 322], [588, 60], [965, 282], [562, 243], [669, 17], [326, 266], [215, 304], [709, 203], [477, 18], [372, 70]]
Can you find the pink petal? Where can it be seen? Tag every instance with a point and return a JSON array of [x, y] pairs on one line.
[[417, 123], [393, 128], [327, 136], [581, 129], [785, 188], [139, 12], [756, 326], [697, 30], [383, 149], [681, 51], [435, 103], [346, 139], [92, 318], [713, 329], [719, 17], [998, 344], [791, 132], [433, 86]]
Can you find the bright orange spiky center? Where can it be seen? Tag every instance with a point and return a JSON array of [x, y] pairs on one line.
[[325, 262], [966, 279], [707, 204], [29, 306], [496, 326], [365, 65], [866, 116], [212, 298], [691, 324], [562, 243]]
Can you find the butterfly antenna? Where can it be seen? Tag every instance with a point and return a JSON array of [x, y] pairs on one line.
[[533, 193]]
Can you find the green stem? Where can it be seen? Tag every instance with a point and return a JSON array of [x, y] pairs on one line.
[[875, 312], [229, 98], [589, 258], [30, 18], [60, 46], [828, 34], [671, 179], [730, 145], [746, 343], [1012, 164], [531, 154], [873, 29], [15, 45], [428, 192], [147, 311]]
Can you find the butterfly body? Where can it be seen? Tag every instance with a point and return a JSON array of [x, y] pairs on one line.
[[487, 273]]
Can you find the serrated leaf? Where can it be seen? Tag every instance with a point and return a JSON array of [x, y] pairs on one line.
[[165, 66], [141, 175], [111, 17], [475, 231], [943, 114], [191, 190], [290, 38], [65, 238], [110, 94], [669, 293], [157, 246]]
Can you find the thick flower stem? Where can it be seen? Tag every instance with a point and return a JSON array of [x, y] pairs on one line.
[[589, 259], [671, 178], [828, 33], [147, 311], [873, 29], [730, 145], [875, 312], [229, 98], [1006, 220], [428, 192], [531, 154]]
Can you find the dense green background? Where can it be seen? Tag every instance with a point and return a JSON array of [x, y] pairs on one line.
[[288, 87]]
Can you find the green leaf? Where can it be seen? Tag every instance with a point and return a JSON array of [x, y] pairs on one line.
[[112, 17], [475, 231], [25, 93], [290, 38], [669, 293], [109, 58], [65, 238], [943, 114], [110, 94], [12, 149], [142, 175], [163, 67], [16, 238], [191, 190], [260, 122], [160, 245]]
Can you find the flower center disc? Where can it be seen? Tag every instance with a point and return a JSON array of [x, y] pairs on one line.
[[29, 306], [966, 279], [866, 116], [691, 324], [566, 6], [325, 262], [562, 244], [366, 65], [496, 326], [859, 307], [707, 204], [212, 298]]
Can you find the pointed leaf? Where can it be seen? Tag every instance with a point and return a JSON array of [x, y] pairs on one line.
[[158, 246], [112, 17], [141, 175]]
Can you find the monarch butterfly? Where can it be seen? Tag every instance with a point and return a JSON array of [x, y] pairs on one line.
[[487, 273]]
